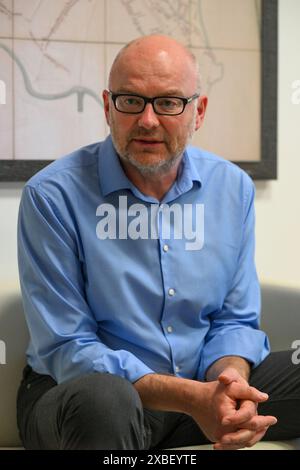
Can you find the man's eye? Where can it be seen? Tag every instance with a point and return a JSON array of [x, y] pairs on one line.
[[168, 103], [132, 101]]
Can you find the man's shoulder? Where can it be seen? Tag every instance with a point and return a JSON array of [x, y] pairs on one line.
[[67, 168], [208, 164]]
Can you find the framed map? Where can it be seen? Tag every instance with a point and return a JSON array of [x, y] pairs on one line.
[[55, 57]]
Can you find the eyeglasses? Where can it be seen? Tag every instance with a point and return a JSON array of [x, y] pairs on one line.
[[164, 105]]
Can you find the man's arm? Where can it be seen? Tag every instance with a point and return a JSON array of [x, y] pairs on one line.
[[62, 326], [167, 392], [208, 403]]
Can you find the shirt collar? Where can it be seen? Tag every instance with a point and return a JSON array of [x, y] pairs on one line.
[[112, 177], [189, 172], [111, 174]]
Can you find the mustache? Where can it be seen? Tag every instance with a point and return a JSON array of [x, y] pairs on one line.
[[144, 133]]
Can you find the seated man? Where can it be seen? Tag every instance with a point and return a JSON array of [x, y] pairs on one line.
[[136, 260]]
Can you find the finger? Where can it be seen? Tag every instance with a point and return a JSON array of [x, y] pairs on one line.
[[218, 446], [247, 410], [257, 437], [238, 438], [257, 423], [229, 376], [239, 391], [241, 445], [242, 438]]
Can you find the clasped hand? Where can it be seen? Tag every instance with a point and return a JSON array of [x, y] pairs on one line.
[[231, 420]]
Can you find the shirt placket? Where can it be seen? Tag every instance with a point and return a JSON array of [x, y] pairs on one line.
[[166, 247]]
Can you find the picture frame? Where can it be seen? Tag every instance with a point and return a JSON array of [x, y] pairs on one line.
[[263, 169], [266, 167]]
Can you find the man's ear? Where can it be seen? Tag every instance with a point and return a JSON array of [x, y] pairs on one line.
[[201, 109], [105, 96]]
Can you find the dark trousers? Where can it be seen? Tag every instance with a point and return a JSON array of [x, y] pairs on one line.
[[104, 411]]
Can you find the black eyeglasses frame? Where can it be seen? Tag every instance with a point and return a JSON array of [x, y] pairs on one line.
[[185, 101]]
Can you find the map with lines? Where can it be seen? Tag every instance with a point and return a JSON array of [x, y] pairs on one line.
[[55, 57]]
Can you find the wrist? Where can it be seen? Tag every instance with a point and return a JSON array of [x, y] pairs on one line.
[[195, 395], [241, 365], [170, 393]]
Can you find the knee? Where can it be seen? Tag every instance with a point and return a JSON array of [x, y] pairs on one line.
[[105, 407], [104, 392]]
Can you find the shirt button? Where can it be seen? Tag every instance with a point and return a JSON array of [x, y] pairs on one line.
[[171, 292], [166, 248], [169, 329], [177, 369]]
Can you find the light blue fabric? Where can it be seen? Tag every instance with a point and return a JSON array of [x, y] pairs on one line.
[[105, 305]]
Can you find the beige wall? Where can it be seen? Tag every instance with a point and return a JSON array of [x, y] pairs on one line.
[[277, 202]]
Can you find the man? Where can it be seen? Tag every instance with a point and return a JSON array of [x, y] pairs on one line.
[[139, 284]]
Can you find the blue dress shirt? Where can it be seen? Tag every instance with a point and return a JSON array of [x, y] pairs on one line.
[[97, 299]]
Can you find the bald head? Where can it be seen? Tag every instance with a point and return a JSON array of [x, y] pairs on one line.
[[154, 53]]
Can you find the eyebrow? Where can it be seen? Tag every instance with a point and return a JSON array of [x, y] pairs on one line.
[[170, 92]]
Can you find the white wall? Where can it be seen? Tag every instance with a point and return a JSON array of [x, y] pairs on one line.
[[277, 202], [10, 194]]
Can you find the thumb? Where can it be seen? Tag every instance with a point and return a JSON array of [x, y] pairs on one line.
[[225, 379], [228, 376]]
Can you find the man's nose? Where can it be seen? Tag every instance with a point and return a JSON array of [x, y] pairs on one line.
[[148, 118]]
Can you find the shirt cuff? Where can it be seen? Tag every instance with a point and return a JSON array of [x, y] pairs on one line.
[[124, 364], [252, 345]]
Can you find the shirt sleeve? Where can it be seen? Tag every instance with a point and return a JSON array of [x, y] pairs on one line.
[[63, 329], [235, 330]]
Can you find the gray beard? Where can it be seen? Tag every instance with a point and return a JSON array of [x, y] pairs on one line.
[[162, 167], [159, 168]]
